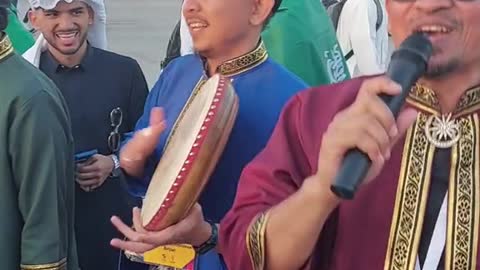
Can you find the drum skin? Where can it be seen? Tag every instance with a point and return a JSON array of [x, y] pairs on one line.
[[198, 166]]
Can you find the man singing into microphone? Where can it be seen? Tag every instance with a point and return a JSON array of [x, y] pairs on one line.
[[418, 207]]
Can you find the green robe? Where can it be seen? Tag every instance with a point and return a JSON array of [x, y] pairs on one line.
[[301, 37], [36, 169], [21, 38]]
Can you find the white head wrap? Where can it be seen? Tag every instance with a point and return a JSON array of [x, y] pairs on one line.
[[186, 42], [97, 34]]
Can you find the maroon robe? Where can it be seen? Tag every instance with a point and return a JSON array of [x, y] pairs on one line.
[[363, 233]]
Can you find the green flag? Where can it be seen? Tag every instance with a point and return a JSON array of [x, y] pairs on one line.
[[21, 38], [301, 37]]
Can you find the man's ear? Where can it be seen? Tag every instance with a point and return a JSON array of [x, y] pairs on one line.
[[33, 18], [261, 11], [91, 15]]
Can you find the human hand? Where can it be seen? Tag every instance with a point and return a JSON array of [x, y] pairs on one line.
[[369, 125], [92, 173], [193, 230], [142, 145]]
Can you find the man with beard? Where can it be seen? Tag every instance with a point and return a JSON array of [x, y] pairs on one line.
[[105, 93], [226, 36], [36, 167], [419, 205]]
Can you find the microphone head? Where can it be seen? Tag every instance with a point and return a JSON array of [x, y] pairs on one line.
[[418, 46]]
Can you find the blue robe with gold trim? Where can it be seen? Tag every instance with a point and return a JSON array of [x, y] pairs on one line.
[[262, 86]]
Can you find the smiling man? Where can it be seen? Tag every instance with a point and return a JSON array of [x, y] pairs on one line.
[[226, 37], [419, 206], [94, 83]]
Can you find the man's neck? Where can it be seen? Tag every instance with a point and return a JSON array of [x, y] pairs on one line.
[[214, 61], [69, 60], [450, 89]]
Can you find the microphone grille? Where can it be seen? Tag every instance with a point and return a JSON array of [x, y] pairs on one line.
[[418, 44]]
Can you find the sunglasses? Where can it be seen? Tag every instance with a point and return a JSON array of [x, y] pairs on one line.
[[116, 118]]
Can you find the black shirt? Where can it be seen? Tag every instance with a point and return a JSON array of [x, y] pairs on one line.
[[102, 82], [92, 89]]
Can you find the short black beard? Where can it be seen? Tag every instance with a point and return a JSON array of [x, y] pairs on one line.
[[82, 41], [442, 70], [65, 53]]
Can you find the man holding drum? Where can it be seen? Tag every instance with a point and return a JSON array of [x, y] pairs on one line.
[[226, 36], [421, 211]]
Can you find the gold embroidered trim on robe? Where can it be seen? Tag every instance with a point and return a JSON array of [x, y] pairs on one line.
[[412, 194], [256, 241], [6, 47], [61, 265], [245, 62], [426, 100], [229, 68], [464, 195], [194, 93], [410, 204]]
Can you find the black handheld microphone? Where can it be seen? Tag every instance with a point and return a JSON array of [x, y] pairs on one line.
[[407, 65]]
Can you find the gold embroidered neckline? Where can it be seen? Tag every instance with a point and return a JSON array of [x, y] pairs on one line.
[[245, 62], [463, 215], [425, 99], [6, 47]]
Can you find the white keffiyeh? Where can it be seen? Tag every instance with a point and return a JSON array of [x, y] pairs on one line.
[[186, 43], [96, 35]]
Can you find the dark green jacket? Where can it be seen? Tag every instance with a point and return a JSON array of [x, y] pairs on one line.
[[36, 169]]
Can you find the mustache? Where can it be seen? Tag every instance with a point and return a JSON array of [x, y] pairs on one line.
[[441, 18]]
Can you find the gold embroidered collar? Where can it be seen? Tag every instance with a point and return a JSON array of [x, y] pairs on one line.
[[6, 47], [425, 99], [245, 62]]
